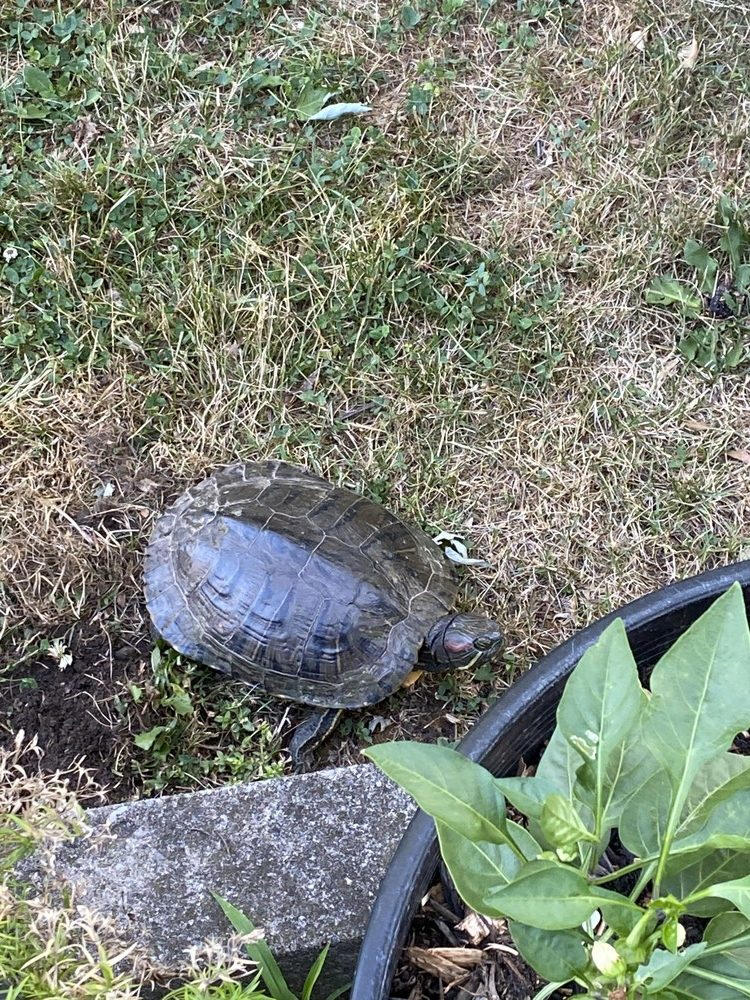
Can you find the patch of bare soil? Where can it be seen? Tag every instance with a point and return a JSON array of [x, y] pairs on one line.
[[82, 714], [72, 711]]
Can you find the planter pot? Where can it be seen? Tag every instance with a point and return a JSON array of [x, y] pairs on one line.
[[517, 724]]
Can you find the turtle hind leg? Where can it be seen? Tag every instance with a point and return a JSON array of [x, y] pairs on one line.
[[319, 724]]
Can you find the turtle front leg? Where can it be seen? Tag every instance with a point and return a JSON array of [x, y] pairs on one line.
[[319, 724]]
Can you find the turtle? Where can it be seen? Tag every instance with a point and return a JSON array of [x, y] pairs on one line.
[[273, 575]]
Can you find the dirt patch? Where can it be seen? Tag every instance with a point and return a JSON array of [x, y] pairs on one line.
[[73, 711]]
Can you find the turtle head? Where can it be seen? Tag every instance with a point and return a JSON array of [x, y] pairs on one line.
[[456, 642]]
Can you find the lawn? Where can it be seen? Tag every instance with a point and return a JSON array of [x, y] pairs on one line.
[[441, 303]]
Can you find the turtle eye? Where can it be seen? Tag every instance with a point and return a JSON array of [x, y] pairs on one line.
[[483, 642]]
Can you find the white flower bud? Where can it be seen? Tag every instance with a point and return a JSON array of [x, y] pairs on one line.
[[606, 960], [680, 935]]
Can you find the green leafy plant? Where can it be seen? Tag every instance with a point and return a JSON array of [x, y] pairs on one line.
[[719, 292], [198, 731], [655, 766], [268, 967]]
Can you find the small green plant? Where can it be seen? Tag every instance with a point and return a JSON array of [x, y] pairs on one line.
[[220, 991], [655, 766], [719, 291], [52, 953], [201, 731], [268, 967]]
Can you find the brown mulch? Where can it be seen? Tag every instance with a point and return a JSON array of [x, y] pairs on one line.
[[452, 950]]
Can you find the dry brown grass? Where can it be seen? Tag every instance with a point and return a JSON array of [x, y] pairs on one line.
[[584, 458], [57, 948], [36, 810], [569, 494]]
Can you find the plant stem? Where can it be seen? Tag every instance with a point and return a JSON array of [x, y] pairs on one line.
[[664, 854], [634, 938], [673, 821], [642, 882], [588, 859], [634, 866]]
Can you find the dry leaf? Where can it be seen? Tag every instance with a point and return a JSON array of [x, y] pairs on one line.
[[411, 678], [502, 947], [467, 958], [422, 958], [475, 927], [688, 54], [697, 425], [740, 456], [450, 964], [638, 39], [84, 132]]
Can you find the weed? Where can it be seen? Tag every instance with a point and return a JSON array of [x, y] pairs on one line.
[[268, 967], [52, 948], [206, 732], [720, 291], [356, 729]]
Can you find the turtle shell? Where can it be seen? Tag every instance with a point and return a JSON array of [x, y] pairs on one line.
[[312, 592]]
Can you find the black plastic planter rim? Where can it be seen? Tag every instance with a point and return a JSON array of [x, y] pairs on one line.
[[515, 724]]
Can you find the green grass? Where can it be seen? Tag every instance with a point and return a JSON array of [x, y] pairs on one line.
[[440, 303], [52, 951]]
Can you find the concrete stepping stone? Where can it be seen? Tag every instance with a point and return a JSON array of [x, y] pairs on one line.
[[303, 856]]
